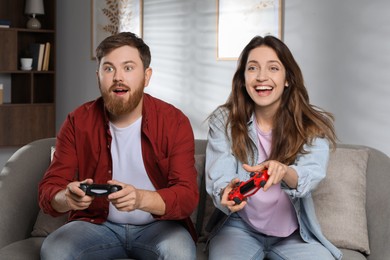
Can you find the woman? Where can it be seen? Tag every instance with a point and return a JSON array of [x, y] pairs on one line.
[[268, 122]]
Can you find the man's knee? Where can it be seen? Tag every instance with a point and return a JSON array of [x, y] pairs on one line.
[[69, 240], [178, 246], [51, 249]]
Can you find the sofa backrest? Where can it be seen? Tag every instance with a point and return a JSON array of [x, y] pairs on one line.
[[19, 180], [377, 201]]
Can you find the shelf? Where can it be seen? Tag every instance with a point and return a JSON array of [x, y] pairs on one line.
[[25, 104], [14, 12], [30, 115], [27, 72], [25, 30], [21, 123], [17, 41]]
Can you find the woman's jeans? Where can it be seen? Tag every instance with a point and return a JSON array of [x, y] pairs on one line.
[[237, 240], [84, 240]]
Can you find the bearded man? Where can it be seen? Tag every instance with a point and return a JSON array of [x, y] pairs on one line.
[[127, 139]]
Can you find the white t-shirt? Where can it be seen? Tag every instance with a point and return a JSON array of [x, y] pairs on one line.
[[128, 167]]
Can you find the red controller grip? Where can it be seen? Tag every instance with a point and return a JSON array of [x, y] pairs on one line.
[[249, 187]]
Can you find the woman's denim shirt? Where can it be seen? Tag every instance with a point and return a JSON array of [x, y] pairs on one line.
[[222, 166]]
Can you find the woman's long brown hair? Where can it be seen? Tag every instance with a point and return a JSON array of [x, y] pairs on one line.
[[296, 122]]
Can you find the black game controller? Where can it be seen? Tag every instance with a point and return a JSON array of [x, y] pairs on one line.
[[99, 189]]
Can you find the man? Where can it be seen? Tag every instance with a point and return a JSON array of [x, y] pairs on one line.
[[130, 139]]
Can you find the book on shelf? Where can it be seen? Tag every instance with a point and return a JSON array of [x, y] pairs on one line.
[[40, 56], [34, 50], [5, 23], [37, 51], [46, 57]]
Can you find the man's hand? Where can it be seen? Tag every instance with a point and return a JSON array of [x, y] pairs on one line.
[[129, 198], [72, 198]]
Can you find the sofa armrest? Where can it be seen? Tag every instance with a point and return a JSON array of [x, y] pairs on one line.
[[378, 204], [19, 189]]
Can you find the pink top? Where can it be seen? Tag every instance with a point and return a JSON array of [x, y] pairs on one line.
[[271, 213]]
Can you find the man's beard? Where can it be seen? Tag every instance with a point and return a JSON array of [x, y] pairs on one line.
[[116, 106]]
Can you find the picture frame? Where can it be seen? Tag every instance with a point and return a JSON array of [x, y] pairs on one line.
[[239, 21], [112, 16]]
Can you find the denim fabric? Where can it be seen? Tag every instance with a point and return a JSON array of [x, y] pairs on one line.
[[222, 167], [257, 246], [84, 240]]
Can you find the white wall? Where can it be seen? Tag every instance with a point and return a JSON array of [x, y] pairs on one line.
[[342, 47], [182, 38]]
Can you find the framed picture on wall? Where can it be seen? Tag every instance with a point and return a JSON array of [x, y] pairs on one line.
[[239, 21], [112, 16]]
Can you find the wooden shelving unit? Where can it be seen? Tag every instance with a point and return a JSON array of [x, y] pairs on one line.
[[31, 113]]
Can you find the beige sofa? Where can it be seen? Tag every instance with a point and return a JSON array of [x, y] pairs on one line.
[[352, 203]]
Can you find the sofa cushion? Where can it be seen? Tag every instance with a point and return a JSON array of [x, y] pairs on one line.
[[199, 166], [52, 151], [45, 224], [340, 200], [23, 249], [349, 254], [205, 207]]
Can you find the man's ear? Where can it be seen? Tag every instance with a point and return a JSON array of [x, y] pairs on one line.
[[148, 75], [98, 78]]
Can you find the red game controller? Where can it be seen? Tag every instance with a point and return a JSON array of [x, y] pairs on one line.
[[249, 187]]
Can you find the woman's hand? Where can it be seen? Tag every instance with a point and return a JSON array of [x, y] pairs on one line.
[[277, 172], [231, 205]]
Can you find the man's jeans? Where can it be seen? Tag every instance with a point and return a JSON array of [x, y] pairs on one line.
[[84, 240]]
